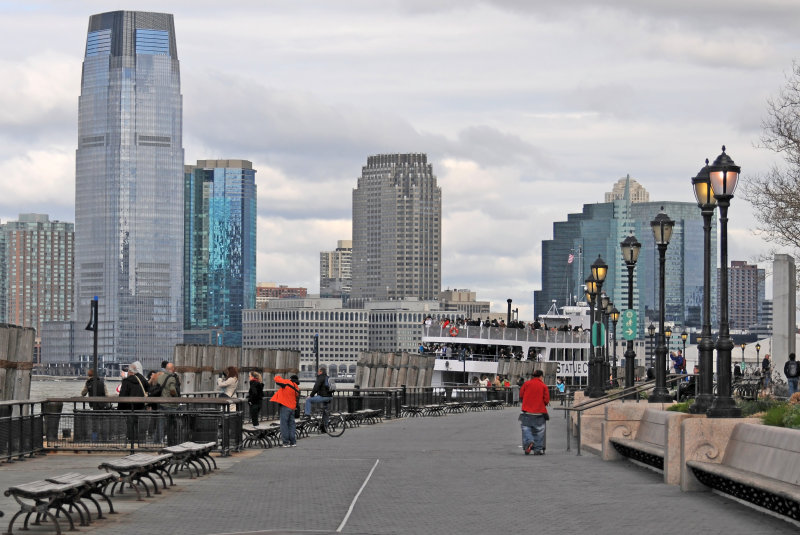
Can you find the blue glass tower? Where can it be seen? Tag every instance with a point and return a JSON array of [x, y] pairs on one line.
[[599, 229], [220, 249], [129, 187]]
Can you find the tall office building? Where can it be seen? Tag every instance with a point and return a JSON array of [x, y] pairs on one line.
[[746, 295], [219, 247], [129, 187], [36, 270], [397, 230], [335, 277], [599, 229]]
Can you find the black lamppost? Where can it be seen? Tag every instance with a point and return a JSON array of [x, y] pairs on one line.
[[668, 338], [723, 174], [651, 329], [615, 319], [662, 232], [594, 286], [758, 354], [701, 184], [604, 308], [684, 336], [607, 358], [630, 253]]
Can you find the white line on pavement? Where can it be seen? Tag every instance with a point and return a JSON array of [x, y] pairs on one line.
[[355, 498]]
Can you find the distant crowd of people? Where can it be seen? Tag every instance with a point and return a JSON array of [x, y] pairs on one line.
[[460, 323]]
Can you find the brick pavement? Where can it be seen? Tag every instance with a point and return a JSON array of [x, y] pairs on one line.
[[461, 473]]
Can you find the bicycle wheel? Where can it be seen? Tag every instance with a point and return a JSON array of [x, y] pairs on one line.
[[335, 426]]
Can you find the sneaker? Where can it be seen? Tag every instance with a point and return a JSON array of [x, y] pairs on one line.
[[528, 448], [538, 452], [286, 446], [292, 445]]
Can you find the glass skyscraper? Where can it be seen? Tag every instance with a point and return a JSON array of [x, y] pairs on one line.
[[129, 187], [599, 229], [220, 249]]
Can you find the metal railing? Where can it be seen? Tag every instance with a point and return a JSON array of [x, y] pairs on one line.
[[20, 430], [507, 334]]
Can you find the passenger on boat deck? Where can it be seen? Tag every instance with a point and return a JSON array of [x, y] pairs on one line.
[[497, 383], [537, 325]]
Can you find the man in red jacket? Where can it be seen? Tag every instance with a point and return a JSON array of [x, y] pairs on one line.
[[534, 397]]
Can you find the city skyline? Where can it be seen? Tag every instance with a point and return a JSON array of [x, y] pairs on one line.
[[310, 101]]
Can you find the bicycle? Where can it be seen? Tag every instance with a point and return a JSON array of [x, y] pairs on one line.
[[325, 422]]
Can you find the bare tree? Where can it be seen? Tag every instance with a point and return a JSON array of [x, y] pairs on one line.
[[775, 195]]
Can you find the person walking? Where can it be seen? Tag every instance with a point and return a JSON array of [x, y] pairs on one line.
[[792, 372], [286, 396], [254, 396], [535, 397]]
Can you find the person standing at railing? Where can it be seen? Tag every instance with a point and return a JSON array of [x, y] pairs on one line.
[[534, 396], [134, 386], [94, 387], [255, 395]]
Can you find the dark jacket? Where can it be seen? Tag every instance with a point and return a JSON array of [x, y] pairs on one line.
[[132, 386], [256, 393], [321, 386]]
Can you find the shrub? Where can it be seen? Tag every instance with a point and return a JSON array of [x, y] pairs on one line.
[[683, 406], [792, 417], [753, 407], [775, 415]]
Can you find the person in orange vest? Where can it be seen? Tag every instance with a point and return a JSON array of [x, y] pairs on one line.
[[286, 396], [534, 397]]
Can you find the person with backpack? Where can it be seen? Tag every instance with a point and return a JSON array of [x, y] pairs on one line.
[[322, 391], [792, 372], [95, 387], [167, 385], [286, 396], [254, 396]]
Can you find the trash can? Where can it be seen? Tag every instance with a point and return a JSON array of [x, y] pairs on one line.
[[52, 418]]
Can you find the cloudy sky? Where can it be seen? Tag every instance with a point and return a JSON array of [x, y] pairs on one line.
[[526, 109]]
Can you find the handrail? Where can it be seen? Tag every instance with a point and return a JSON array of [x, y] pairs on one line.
[[614, 396]]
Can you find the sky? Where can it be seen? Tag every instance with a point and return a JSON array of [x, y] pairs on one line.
[[526, 110]]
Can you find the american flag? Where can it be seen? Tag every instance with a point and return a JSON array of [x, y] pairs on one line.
[[571, 258]]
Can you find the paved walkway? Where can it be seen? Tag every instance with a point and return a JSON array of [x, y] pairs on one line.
[[461, 473]]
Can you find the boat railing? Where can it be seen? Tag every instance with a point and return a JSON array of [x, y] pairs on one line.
[[506, 333]]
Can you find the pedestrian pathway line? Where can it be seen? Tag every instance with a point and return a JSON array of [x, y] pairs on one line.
[[355, 499]]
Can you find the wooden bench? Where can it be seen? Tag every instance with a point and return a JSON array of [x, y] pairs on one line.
[[264, 435], [46, 499], [760, 465], [190, 455], [648, 445], [135, 469], [90, 484]]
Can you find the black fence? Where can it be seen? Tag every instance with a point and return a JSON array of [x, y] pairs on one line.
[[20, 429]]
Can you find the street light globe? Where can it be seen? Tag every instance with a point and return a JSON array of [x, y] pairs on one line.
[[651, 329], [604, 301], [703, 192], [591, 287], [724, 175], [758, 347], [599, 270], [684, 336], [614, 314], [668, 332], [630, 249], [662, 228]]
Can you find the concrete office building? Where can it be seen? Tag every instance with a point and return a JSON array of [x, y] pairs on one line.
[[463, 301], [397, 230], [36, 272], [219, 248], [129, 188], [746, 295], [335, 276], [599, 229]]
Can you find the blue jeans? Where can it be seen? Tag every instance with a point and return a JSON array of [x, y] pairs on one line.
[[792, 381], [533, 426], [315, 399], [288, 433]]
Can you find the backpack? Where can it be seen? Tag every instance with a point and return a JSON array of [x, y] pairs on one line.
[[331, 384], [791, 368], [157, 390]]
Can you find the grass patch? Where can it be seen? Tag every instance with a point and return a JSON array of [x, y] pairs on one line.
[[683, 406], [775, 415]]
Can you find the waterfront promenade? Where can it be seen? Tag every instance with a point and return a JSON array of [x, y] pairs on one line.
[[460, 474]]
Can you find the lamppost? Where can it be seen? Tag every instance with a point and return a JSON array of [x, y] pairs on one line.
[[662, 231], [604, 308], [743, 345], [684, 336], [758, 355], [651, 329], [615, 319], [704, 195], [607, 364], [668, 338], [630, 253], [723, 175], [594, 285]]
